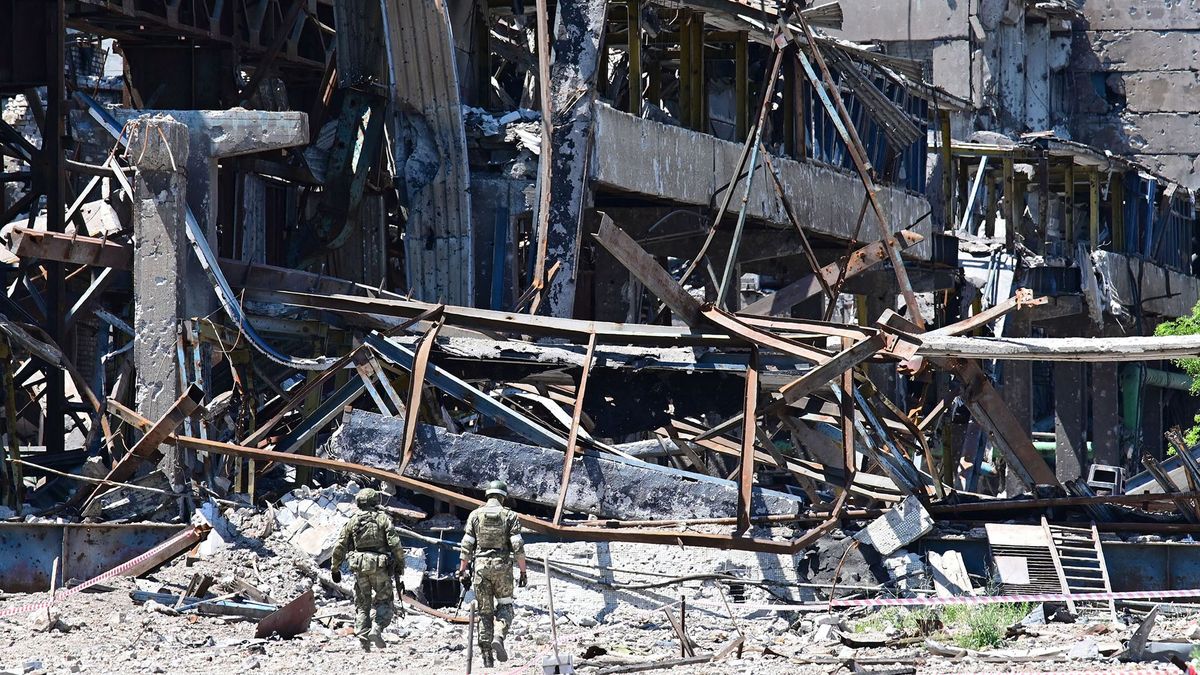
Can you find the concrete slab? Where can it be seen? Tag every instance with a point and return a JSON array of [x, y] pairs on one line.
[[1162, 91], [1168, 293], [687, 167], [1163, 133], [1185, 169], [1141, 14], [1137, 50], [869, 20]]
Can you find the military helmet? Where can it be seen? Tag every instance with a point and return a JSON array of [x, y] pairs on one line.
[[367, 498], [496, 487]]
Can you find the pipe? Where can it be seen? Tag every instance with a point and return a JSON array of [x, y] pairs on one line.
[[1133, 377], [1168, 380], [1049, 447]]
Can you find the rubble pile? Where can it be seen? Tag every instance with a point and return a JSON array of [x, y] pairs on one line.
[[791, 343]]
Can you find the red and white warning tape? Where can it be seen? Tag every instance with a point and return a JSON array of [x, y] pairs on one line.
[[114, 572]]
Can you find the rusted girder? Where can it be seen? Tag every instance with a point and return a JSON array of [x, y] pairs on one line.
[[184, 407]]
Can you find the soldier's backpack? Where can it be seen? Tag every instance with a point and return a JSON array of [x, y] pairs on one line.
[[491, 532], [370, 532]]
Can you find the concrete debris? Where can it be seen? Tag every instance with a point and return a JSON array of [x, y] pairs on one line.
[[901, 525], [311, 521], [632, 265], [907, 570]]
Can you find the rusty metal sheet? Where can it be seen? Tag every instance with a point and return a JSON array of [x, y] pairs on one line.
[[290, 620]]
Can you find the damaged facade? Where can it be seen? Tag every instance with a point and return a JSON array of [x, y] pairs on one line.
[[785, 287]]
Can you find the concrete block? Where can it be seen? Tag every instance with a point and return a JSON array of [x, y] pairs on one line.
[[903, 524], [157, 143], [1182, 168], [1142, 14], [916, 20], [1137, 50], [1163, 133], [318, 541], [1164, 91]]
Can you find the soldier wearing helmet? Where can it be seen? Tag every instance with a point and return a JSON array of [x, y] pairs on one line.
[[373, 550], [492, 539]]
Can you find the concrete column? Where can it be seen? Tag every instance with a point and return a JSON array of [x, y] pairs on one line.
[[1037, 75], [1106, 420], [211, 136], [158, 148], [254, 219], [1070, 454], [578, 34]]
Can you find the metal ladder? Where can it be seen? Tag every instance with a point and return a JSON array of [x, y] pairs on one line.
[[1080, 562]]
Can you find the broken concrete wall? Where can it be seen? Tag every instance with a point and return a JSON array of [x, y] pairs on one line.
[[1136, 73], [601, 485], [678, 166], [1007, 61]]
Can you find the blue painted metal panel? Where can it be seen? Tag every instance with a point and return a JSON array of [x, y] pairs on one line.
[[89, 550], [1131, 567], [28, 550], [27, 553]]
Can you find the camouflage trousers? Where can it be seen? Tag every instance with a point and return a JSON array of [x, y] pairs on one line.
[[493, 583], [373, 589]]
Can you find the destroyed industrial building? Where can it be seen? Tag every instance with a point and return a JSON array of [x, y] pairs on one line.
[[809, 336]]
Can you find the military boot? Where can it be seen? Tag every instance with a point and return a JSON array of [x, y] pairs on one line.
[[501, 652], [376, 637], [486, 655], [364, 643]]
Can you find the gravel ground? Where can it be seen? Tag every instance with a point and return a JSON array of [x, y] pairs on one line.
[[603, 618]]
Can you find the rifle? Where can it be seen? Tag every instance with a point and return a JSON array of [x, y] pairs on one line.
[[398, 580], [464, 585]]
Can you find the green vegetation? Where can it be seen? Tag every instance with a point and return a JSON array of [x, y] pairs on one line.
[[1187, 325], [975, 627]]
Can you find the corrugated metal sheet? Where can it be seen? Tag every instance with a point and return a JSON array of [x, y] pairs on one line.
[[431, 143]]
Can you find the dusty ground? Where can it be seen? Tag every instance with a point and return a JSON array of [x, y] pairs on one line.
[[600, 625]]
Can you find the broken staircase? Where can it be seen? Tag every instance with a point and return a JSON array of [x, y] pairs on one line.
[[1080, 562]]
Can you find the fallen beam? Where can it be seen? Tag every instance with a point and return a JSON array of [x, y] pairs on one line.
[[991, 412], [607, 486], [29, 243], [508, 322], [666, 537], [781, 302], [646, 269], [1095, 350], [144, 449]]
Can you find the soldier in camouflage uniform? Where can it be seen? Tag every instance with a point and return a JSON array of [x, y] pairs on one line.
[[492, 539], [373, 550]]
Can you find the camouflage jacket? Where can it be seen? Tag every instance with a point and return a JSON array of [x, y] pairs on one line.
[[493, 531], [370, 531]]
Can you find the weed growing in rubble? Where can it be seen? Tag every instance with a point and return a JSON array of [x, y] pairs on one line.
[[1187, 325], [982, 626], [971, 627], [907, 621]]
